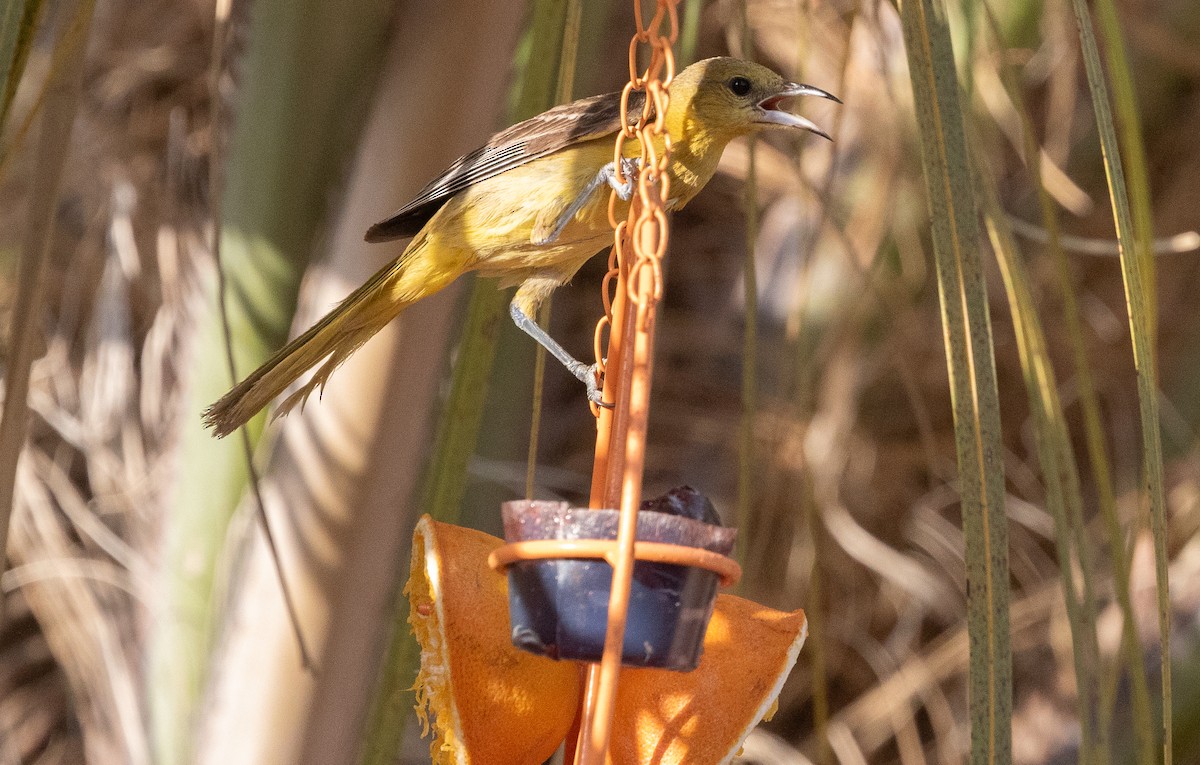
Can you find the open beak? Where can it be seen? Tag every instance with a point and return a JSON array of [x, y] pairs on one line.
[[771, 114]]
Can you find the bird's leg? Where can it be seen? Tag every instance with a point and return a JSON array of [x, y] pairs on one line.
[[524, 305], [607, 174], [585, 373]]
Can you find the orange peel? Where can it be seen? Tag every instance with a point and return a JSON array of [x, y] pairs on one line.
[[704, 716], [493, 704]]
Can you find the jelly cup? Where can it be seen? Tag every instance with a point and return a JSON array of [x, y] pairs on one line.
[[559, 607]]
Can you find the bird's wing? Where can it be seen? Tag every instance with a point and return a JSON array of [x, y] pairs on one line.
[[526, 141]]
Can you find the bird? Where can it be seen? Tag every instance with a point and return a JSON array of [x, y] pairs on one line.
[[527, 208]]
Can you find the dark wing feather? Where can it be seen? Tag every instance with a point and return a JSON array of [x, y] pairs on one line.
[[526, 141]]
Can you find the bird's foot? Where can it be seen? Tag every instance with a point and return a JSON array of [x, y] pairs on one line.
[[630, 167], [590, 376]]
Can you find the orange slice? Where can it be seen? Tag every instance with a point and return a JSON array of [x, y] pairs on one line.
[[492, 704], [703, 717]]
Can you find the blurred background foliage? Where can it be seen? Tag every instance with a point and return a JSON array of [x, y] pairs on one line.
[[142, 619]]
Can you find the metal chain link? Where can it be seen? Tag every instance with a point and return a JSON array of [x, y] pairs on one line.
[[639, 242], [648, 206]]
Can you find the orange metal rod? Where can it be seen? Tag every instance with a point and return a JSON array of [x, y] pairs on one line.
[[610, 447], [621, 438], [598, 724], [613, 423]]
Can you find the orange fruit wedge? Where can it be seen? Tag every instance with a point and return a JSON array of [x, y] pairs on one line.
[[704, 716], [493, 704]]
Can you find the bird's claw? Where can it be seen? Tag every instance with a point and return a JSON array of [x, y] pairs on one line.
[[590, 376], [594, 394], [630, 167]]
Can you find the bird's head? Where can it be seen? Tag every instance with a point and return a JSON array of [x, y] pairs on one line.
[[729, 97]]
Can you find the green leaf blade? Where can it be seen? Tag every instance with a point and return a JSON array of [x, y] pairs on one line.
[[971, 367]]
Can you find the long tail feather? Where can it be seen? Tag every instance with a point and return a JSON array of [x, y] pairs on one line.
[[333, 339]]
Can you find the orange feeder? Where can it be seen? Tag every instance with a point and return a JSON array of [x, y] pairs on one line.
[[635, 264], [495, 704]]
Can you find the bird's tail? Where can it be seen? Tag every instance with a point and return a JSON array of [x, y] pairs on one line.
[[334, 338]]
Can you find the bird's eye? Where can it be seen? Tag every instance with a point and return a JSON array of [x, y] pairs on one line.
[[740, 86]]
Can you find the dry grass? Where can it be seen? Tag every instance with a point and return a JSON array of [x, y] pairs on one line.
[[93, 476]]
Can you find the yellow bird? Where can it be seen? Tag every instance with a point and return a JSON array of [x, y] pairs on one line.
[[526, 208]]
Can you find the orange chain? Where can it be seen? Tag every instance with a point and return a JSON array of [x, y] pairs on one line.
[[653, 182], [620, 436]]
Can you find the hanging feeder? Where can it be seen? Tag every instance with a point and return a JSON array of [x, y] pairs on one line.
[[626, 587], [608, 585]]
